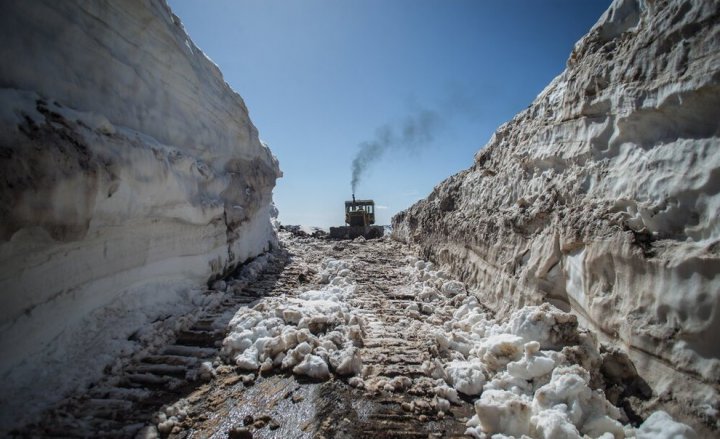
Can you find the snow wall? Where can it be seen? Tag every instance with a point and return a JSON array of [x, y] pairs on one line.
[[602, 197], [131, 176]]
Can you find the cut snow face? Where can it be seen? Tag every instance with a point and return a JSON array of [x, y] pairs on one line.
[[311, 334]]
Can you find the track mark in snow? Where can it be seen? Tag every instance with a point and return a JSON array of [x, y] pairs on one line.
[[433, 361]]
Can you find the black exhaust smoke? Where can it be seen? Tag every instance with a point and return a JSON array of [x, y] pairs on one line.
[[417, 130]]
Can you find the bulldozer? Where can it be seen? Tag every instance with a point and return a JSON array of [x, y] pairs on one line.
[[360, 220]]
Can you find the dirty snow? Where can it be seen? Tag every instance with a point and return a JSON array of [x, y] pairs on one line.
[[311, 334], [521, 372], [529, 374]]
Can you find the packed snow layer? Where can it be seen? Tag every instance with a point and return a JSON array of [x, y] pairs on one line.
[[311, 334], [132, 176], [603, 198]]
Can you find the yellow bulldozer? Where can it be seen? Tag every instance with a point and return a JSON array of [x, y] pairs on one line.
[[360, 220]]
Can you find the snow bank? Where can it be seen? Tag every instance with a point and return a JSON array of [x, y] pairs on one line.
[[603, 198], [133, 175], [312, 334], [534, 373]]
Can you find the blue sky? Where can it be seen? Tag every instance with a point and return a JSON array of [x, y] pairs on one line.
[[321, 76]]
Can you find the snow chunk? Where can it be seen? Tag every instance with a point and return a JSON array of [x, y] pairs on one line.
[[568, 392], [448, 393], [465, 376], [346, 361], [545, 324], [248, 360], [314, 367], [532, 365], [661, 425], [498, 350], [500, 411], [554, 424]]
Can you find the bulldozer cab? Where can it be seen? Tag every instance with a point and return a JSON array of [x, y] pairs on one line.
[[359, 217], [359, 212]]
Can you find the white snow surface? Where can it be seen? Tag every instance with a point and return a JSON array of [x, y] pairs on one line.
[[312, 334], [133, 176], [661, 425]]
